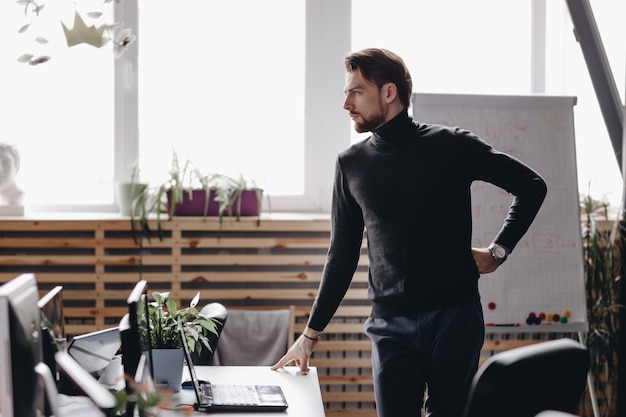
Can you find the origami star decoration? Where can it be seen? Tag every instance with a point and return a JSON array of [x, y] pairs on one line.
[[81, 33]]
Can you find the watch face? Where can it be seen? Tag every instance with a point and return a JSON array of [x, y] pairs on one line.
[[499, 251]]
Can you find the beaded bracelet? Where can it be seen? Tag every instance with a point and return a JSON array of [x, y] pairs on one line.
[[311, 338]]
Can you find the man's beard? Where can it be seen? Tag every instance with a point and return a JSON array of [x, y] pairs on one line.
[[374, 122]]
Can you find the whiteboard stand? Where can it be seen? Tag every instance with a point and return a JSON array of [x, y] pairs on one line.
[[545, 273]]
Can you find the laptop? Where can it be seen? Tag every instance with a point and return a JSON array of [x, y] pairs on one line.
[[232, 397]]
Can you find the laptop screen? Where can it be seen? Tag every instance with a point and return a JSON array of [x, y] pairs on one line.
[[189, 360]]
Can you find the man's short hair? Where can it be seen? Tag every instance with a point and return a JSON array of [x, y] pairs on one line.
[[380, 66]]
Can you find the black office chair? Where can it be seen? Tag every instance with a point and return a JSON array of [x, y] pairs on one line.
[[525, 381], [552, 413], [219, 313]]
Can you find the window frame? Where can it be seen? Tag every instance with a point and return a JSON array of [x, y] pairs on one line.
[[326, 126], [324, 81]]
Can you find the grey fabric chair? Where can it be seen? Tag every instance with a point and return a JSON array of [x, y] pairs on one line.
[[525, 381], [254, 337]]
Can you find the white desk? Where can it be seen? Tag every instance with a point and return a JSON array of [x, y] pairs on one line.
[[301, 391]]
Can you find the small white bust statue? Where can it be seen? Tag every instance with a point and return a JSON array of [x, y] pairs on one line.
[[10, 193]]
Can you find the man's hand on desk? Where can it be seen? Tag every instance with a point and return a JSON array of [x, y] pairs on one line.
[[300, 351]]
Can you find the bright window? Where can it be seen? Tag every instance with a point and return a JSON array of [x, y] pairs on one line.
[[484, 47], [452, 46], [215, 78], [567, 74], [225, 89], [59, 114]]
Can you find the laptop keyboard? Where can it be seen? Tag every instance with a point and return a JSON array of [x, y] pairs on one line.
[[231, 394]]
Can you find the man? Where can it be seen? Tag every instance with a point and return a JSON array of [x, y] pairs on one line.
[[408, 186]]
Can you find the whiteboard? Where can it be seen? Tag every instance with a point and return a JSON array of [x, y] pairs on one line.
[[544, 274]]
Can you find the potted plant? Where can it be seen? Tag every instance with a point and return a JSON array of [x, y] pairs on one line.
[[130, 195], [602, 254], [167, 355], [190, 192]]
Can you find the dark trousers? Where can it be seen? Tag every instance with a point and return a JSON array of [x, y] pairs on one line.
[[436, 352]]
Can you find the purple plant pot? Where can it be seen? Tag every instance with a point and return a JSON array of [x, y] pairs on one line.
[[195, 206]]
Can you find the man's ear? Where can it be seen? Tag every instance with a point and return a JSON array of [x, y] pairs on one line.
[[390, 92]]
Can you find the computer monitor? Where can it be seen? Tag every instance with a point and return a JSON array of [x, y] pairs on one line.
[[86, 386], [135, 334], [51, 305], [20, 348], [95, 350], [136, 338], [52, 326]]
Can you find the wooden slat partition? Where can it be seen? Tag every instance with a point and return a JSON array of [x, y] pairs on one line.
[[343, 361], [242, 264]]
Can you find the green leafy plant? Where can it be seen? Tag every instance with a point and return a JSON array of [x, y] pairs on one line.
[[184, 179], [602, 254], [164, 316]]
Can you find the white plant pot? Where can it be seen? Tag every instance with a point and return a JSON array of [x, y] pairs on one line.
[[126, 195], [168, 368]]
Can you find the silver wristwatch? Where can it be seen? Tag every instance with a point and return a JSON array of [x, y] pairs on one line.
[[498, 252]]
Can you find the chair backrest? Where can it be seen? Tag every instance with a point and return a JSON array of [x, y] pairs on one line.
[[218, 312], [552, 413], [525, 381], [254, 337]]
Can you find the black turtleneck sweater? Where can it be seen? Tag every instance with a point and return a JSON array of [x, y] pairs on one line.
[[408, 186]]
